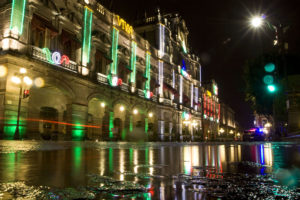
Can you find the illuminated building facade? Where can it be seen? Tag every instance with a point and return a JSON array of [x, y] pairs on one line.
[[228, 127], [211, 110], [94, 76]]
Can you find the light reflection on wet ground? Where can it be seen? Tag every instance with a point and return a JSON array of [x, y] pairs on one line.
[[100, 170]]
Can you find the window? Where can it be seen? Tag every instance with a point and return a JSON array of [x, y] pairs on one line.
[[42, 33], [139, 80], [100, 66], [123, 72], [68, 44]]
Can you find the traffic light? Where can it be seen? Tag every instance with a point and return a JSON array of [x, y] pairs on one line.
[[25, 94], [269, 78]]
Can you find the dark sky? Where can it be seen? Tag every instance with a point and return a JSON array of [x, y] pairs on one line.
[[220, 35]]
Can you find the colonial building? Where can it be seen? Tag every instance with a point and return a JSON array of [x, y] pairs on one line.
[[211, 110], [228, 127], [94, 76]]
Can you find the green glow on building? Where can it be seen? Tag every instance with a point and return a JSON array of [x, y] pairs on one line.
[[10, 125], [123, 134], [111, 160], [78, 132], [48, 55], [130, 123], [183, 47], [111, 124], [147, 196], [17, 16], [147, 75], [114, 51], [146, 125], [131, 156], [133, 62], [87, 35]]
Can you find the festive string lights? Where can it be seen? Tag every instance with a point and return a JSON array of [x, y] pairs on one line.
[[87, 34], [113, 79], [17, 16], [133, 62], [147, 92]]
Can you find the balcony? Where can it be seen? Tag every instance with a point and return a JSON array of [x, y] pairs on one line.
[[125, 87], [101, 78], [154, 98], [175, 105], [40, 54], [141, 93], [167, 102]]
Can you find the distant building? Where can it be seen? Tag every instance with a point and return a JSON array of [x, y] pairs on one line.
[[229, 128], [211, 110]]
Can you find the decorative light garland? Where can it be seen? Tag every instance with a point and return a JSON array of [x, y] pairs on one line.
[[56, 58], [192, 95], [161, 51], [183, 70], [196, 97], [133, 62], [180, 89], [87, 35], [17, 16], [161, 77], [112, 77], [147, 92]]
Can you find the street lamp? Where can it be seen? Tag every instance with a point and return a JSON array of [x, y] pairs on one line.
[[20, 79], [256, 21]]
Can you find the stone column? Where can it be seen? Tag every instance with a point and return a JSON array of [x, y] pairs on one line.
[[77, 116]]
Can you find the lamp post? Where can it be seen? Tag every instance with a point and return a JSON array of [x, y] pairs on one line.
[[20, 79]]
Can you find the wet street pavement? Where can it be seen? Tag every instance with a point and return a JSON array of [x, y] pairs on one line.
[[104, 170]]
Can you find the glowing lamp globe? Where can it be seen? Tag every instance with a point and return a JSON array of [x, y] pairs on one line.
[[256, 21]]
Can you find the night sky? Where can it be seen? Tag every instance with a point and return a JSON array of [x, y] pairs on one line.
[[221, 36]]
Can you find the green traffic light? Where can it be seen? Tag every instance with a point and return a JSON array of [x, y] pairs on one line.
[[271, 88], [268, 79], [270, 67]]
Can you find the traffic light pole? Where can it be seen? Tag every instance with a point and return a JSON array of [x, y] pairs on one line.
[[17, 132]]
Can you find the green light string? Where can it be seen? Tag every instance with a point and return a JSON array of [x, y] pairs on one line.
[[147, 73], [87, 34], [47, 52], [183, 47], [131, 156], [17, 16], [133, 62], [111, 124], [114, 51]]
